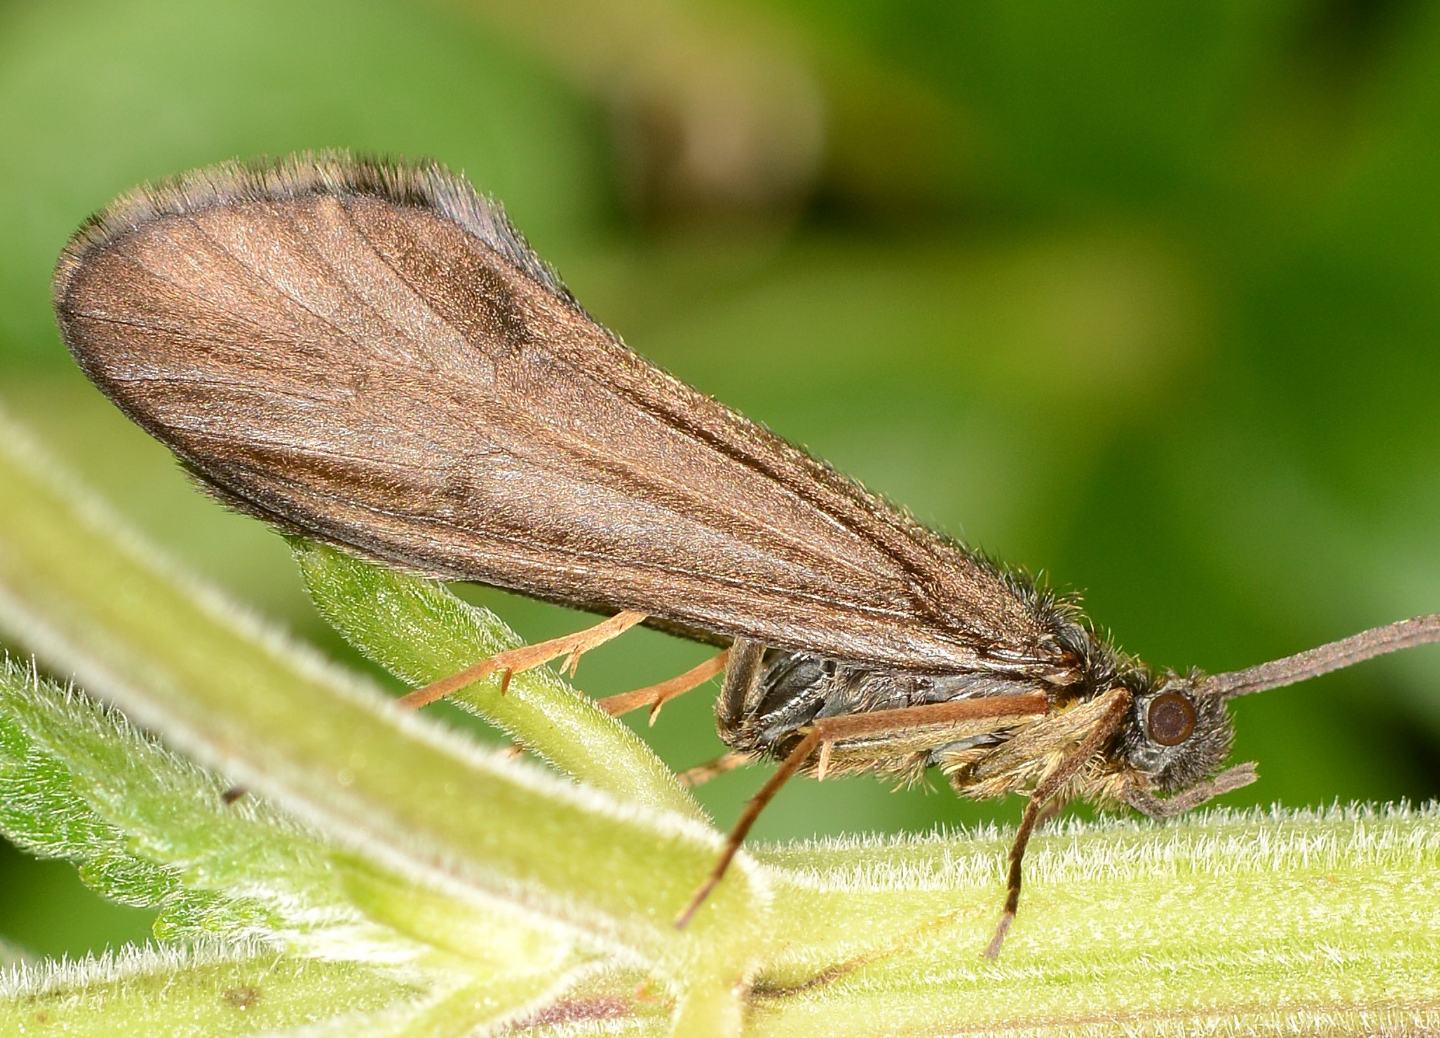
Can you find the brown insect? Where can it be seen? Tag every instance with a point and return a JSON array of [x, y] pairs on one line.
[[367, 354]]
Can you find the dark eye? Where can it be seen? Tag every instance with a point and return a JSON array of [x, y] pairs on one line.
[[1170, 719]]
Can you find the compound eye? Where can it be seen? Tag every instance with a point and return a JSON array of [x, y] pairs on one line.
[[1170, 719]]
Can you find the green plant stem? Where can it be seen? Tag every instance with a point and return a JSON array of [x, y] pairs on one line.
[[1276, 920], [215, 992]]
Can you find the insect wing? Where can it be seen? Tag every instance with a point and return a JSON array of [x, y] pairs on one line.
[[369, 355]]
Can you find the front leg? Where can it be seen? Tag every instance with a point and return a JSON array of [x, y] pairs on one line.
[[1046, 798], [1149, 804]]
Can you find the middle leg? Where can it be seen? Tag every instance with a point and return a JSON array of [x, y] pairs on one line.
[[824, 731], [656, 696]]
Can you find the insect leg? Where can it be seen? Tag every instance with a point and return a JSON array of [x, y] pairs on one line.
[[753, 807], [703, 773], [1148, 803], [1039, 803], [656, 696], [827, 730], [525, 657]]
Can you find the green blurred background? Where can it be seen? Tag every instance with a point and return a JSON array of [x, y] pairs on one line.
[[1146, 296]]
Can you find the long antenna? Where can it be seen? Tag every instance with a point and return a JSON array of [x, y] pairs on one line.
[[1403, 634]]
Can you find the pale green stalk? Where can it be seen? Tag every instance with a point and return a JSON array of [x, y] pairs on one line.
[[214, 991]]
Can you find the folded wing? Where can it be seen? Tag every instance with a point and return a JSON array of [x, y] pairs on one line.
[[369, 355]]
